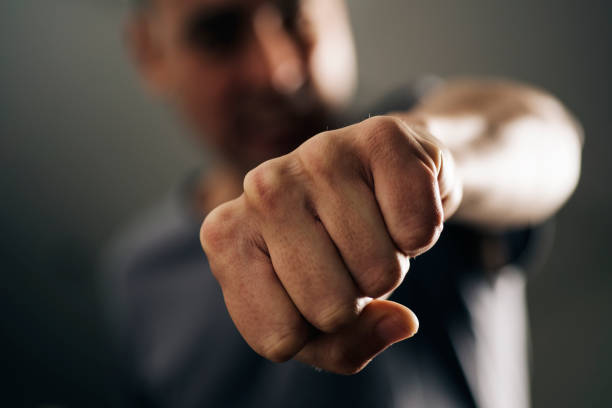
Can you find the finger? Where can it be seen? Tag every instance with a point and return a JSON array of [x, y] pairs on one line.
[[406, 187], [450, 186], [453, 190], [303, 256], [258, 304], [353, 220], [311, 271], [381, 324]]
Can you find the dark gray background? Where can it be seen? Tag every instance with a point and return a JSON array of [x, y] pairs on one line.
[[82, 149]]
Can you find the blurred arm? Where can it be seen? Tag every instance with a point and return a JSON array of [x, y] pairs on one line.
[[516, 148]]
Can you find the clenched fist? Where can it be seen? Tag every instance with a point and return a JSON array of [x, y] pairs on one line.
[[321, 234]]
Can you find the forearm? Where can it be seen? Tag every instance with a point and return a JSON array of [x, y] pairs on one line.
[[516, 149]]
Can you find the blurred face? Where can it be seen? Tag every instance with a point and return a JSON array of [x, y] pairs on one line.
[[254, 77]]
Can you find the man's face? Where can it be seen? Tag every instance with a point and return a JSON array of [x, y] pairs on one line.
[[255, 77]]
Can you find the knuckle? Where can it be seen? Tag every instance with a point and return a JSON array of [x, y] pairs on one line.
[[385, 124], [383, 133], [331, 318], [282, 345], [383, 277], [318, 155], [217, 228], [265, 185]]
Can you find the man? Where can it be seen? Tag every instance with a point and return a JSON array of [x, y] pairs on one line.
[[312, 221]]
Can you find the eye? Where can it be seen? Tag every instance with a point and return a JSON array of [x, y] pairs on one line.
[[220, 31]]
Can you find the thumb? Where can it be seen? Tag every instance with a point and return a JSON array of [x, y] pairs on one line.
[[380, 324]]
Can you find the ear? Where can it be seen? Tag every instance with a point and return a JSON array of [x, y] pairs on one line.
[[146, 51]]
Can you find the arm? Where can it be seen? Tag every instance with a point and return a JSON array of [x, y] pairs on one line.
[[516, 148], [320, 232]]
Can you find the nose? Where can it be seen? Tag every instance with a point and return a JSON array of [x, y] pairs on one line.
[[275, 58]]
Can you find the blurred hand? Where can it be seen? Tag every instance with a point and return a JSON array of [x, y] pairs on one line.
[[320, 232]]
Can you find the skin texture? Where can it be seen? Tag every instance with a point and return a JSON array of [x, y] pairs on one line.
[[308, 235], [323, 229]]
